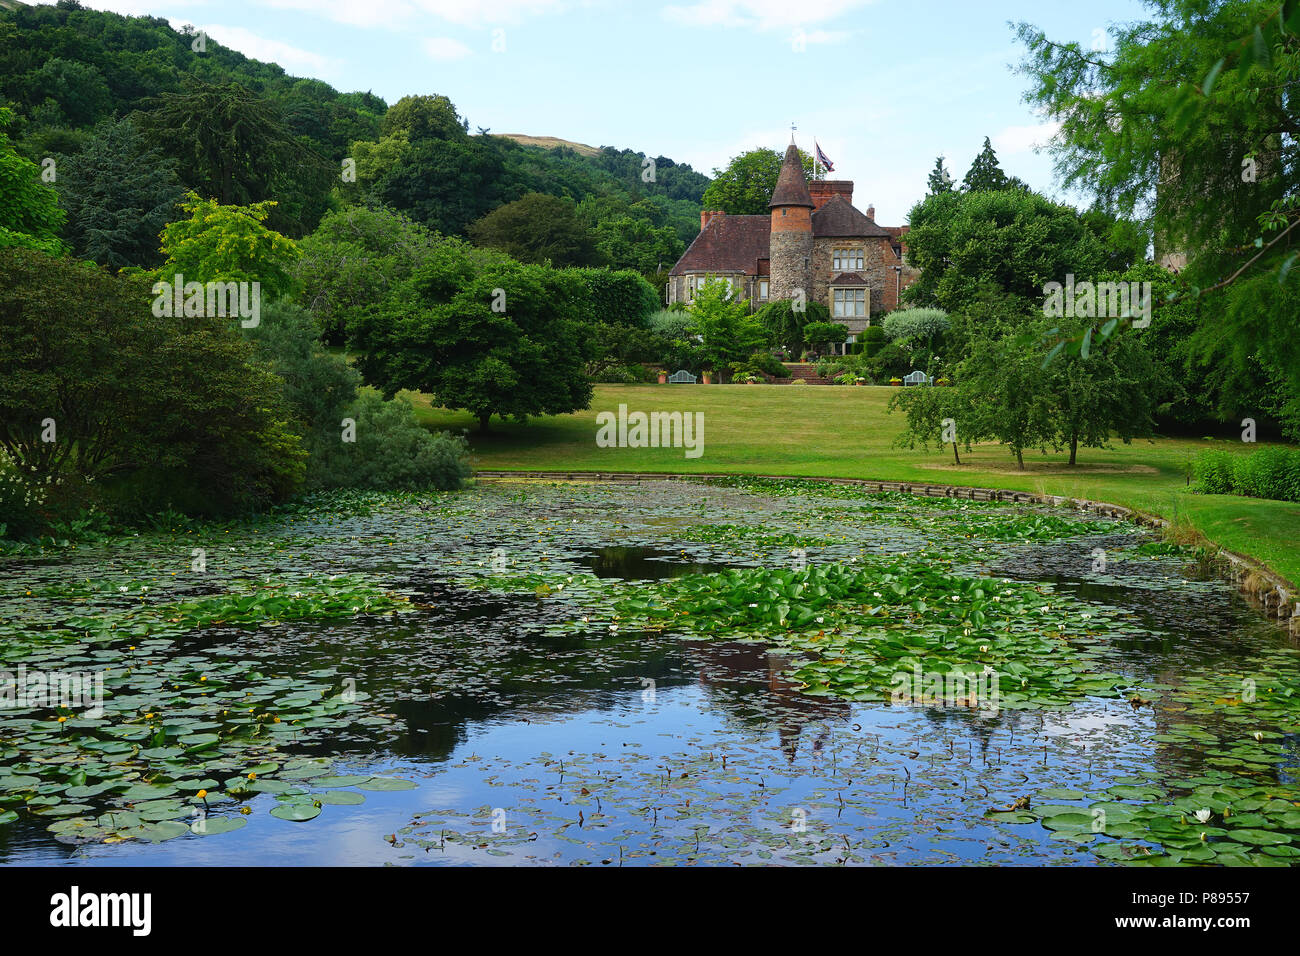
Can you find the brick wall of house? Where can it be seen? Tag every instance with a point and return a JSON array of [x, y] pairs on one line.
[[878, 260]]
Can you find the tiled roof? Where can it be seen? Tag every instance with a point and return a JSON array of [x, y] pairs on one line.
[[848, 278], [837, 218], [728, 244], [791, 185]]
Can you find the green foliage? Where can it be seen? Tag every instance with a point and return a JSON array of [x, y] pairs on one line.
[[227, 243], [318, 386], [821, 335], [119, 194], [235, 147], [353, 259], [633, 235], [1003, 391], [392, 452], [1202, 156], [619, 308], [440, 333], [1015, 239], [984, 175], [30, 216], [872, 339], [1272, 471], [785, 324], [920, 324], [939, 181], [727, 332], [745, 187], [539, 229], [887, 361], [155, 410]]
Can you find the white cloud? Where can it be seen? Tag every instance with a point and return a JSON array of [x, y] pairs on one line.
[[1024, 139], [445, 48], [140, 8], [826, 36], [473, 13], [390, 14], [273, 51], [760, 14]]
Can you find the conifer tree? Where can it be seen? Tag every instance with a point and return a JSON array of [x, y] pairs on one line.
[[985, 175], [940, 181]]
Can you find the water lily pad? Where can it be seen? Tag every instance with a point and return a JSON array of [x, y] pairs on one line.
[[344, 781], [297, 812], [211, 826], [341, 797], [387, 783]]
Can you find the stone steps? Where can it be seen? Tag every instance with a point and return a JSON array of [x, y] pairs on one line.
[[806, 371]]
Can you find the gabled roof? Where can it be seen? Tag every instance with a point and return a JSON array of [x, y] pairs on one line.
[[791, 186], [728, 244], [838, 218], [848, 278]]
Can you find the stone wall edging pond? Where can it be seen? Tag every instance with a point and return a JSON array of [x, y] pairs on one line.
[[1267, 590]]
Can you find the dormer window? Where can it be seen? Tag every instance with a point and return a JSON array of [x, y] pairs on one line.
[[846, 259]]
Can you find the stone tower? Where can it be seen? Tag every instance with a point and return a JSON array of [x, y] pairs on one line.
[[790, 255]]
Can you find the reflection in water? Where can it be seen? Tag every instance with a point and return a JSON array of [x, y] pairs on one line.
[[625, 748], [643, 564]]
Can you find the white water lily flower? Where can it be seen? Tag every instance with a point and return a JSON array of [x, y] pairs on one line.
[[1203, 816], [1258, 735], [984, 648], [122, 588], [821, 620]]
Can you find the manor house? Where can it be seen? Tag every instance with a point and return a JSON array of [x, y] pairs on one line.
[[814, 240]]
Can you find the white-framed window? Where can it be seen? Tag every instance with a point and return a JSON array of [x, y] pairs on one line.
[[846, 260], [848, 303], [762, 288], [698, 282]]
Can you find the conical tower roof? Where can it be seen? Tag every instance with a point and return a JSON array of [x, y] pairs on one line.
[[791, 186]]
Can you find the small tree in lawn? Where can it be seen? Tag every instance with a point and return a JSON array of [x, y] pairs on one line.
[[1001, 391], [932, 416], [1005, 395], [1111, 389], [727, 332]]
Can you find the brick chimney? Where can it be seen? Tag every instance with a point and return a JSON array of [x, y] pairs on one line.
[[823, 189], [871, 213], [706, 215]]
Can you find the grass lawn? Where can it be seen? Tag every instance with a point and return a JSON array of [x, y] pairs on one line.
[[841, 432]]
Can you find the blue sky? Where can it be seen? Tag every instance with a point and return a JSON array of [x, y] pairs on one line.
[[885, 85]]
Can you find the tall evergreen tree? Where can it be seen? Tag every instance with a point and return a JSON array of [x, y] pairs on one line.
[[940, 181], [119, 194], [985, 175]]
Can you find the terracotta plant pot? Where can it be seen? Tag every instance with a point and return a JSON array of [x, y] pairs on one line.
[[707, 378], [663, 378]]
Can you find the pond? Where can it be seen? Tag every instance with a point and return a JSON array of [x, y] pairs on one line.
[[648, 673]]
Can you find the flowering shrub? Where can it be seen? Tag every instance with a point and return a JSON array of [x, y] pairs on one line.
[[22, 500]]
